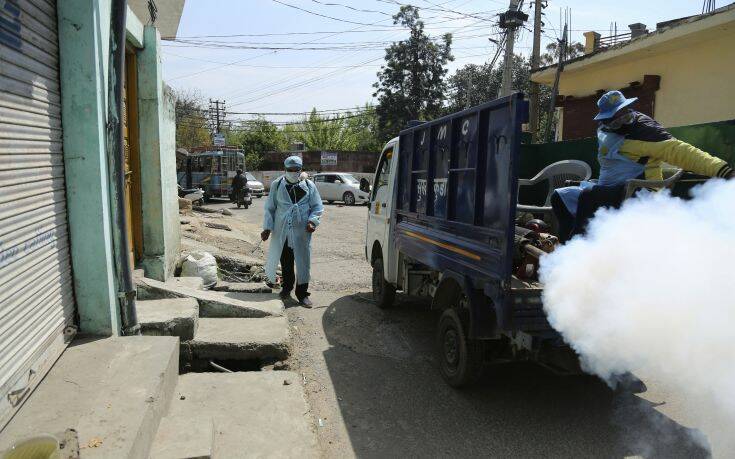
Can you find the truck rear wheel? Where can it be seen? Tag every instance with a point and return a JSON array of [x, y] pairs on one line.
[[460, 358], [384, 293]]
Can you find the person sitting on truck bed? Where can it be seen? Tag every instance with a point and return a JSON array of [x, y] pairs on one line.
[[631, 145]]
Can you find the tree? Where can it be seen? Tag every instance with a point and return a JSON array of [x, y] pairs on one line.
[[348, 131], [256, 138], [191, 120], [551, 56], [474, 84], [411, 83]]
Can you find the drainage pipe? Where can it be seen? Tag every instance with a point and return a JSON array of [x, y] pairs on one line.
[[116, 153]]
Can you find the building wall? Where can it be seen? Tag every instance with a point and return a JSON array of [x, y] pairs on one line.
[[84, 29], [697, 84], [156, 121], [84, 34], [347, 161]]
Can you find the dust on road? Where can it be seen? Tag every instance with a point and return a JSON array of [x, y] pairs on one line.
[[375, 391]]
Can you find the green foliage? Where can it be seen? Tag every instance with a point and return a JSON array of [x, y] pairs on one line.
[[411, 84], [191, 120], [350, 131], [256, 137], [551, 56], [474, 84]]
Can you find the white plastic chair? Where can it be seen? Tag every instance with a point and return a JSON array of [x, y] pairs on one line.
[[633, 185], [557, 174]]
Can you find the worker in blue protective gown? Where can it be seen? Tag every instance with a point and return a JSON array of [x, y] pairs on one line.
[[292, 213], [631, 145]]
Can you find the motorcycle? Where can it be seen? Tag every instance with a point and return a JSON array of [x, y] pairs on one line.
[[242, 197]]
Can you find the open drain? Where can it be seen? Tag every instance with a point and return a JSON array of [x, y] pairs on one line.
[[231, 366]]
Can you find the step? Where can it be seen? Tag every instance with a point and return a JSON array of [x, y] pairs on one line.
[[184, 437], [256, 414], [112, 391], [214, 304], [241, 339], [242, 287], [168, 317]]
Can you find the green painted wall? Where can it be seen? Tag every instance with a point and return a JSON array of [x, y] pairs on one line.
[[83, 43], [717, 139], [156, 122]]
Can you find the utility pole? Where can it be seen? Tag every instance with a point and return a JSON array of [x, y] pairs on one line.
[[216, 114], [555, 89], [510, 21], [539, 5]]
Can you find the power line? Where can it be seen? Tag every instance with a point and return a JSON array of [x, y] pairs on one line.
[[260, 55], [319, 14]]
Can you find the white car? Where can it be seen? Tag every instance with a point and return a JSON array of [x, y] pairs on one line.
[[256, 186], [337, 186]]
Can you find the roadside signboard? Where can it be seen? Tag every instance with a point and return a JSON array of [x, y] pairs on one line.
[[329, 158], [219, 140]]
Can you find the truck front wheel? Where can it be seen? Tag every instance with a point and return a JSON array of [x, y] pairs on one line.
[[460, 358], [383, 292]]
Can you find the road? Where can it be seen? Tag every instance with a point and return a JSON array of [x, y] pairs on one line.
[[375, 391]]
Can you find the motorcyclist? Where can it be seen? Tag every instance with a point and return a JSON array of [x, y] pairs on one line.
[[239, 184]]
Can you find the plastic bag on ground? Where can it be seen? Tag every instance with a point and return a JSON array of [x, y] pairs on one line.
[[201, 264]]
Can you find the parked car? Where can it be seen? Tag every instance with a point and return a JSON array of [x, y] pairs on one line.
[[337, 186], [257, 188]]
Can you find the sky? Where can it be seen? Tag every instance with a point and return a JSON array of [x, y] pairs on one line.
[[350, 37]]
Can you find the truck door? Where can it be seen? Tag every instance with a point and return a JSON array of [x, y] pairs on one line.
[[381, 206]]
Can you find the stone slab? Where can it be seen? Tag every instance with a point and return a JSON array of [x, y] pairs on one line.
[[112, 391], [242, 339], [187, 281], [256, 414], [242, 287], [179, 437], [168, 317], [214, 304]]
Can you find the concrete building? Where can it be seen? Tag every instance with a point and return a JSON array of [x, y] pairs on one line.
[[59, 229], [682, 72]]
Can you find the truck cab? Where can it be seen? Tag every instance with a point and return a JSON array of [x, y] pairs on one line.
[[443, 225]]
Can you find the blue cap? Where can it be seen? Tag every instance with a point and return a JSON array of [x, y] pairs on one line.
[[611, 102], [293, 161]]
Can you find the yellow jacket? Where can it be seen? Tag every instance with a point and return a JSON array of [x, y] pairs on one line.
[[648, 143]]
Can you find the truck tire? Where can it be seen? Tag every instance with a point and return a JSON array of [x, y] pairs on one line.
[[460, 359], [348, 198], [384, 294]]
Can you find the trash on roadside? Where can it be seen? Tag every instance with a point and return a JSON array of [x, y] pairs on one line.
[[200, 264], [321, 422]]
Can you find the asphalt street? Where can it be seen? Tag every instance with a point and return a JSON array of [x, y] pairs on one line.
[[374, 388]]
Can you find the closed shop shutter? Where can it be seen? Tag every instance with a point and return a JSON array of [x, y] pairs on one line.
[[36, 296]]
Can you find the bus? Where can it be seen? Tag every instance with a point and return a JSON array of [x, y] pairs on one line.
[[210, 168]]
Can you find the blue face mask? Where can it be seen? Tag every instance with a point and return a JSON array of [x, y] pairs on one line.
[[293, 177]]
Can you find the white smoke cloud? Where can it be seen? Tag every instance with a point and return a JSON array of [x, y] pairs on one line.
[[649, 290]]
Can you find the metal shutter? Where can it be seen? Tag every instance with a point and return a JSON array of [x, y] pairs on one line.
[[36, 297]]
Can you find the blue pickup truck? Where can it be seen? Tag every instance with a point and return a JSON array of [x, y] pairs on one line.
[[442, 224]]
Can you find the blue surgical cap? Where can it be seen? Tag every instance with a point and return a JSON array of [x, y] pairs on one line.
[[293, 161]]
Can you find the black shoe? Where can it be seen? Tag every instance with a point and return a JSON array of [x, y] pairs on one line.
[[306, 302], [285, 294]]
